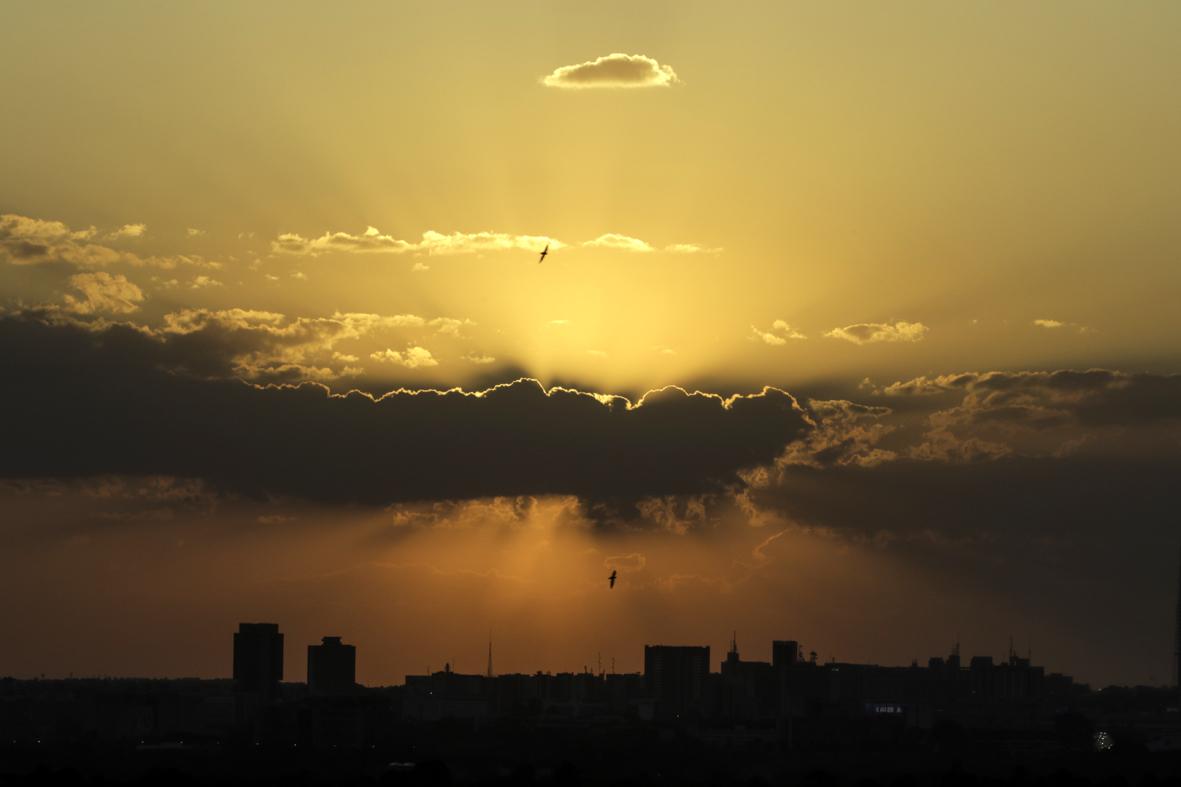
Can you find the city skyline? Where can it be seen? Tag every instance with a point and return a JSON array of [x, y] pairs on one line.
[[289, 670]]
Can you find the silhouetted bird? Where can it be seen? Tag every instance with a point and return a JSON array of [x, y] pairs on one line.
[[611, 579], [544, 252]]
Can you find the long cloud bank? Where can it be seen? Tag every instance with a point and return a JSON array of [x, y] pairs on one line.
[[956, 456], [99, 401]]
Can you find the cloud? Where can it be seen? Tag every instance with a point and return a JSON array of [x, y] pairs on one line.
[[202, 282], [983, 469], [79, 420], [1058, 324], [30, 241], [615, 70], [778, 336], [618, 242], [413, 358], [193, 232], [614, 240], [1045, 414], [265, 346], [689, 248], [129, 231], [449, 326], [103, 292], [847, 433], [875, 332], [373, 241]]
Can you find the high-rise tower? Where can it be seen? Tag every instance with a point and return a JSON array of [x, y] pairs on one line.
[[332, 668], [258, 668], [1177, 634]]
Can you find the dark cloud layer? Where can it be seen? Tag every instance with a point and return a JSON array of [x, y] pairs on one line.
[[84, 401]]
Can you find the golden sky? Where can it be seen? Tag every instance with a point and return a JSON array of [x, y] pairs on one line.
[[966, 167], [853, 202]]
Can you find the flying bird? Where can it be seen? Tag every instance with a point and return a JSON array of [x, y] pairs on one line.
[[611, 579], [544, 252]]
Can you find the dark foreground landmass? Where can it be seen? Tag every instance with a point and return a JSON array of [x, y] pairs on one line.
[[442, 754], [189, 733]]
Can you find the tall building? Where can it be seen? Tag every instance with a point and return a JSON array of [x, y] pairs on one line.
[[258, 668], [784, 652], [332, 668], [1177, 634], [676, 677], [258, 658]]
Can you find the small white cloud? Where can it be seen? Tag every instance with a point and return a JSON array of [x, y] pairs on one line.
[[613, 240], [413, 358], [690, 248], [778, 336], [616, 70], [450, 326], [202, 282], [559, 323], [419, 267], [130, 231], [1057, 324], [193, 232], [876, 332], [597, 353], [619, 242], [300, 275]]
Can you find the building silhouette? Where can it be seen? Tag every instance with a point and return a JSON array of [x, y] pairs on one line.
[[258, 668], [1177, 634], [746, 690], [784, 652], [332, 668], [676, 678], [785, 704]]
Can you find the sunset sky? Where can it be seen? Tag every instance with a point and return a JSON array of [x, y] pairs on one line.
[[858, 326]]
